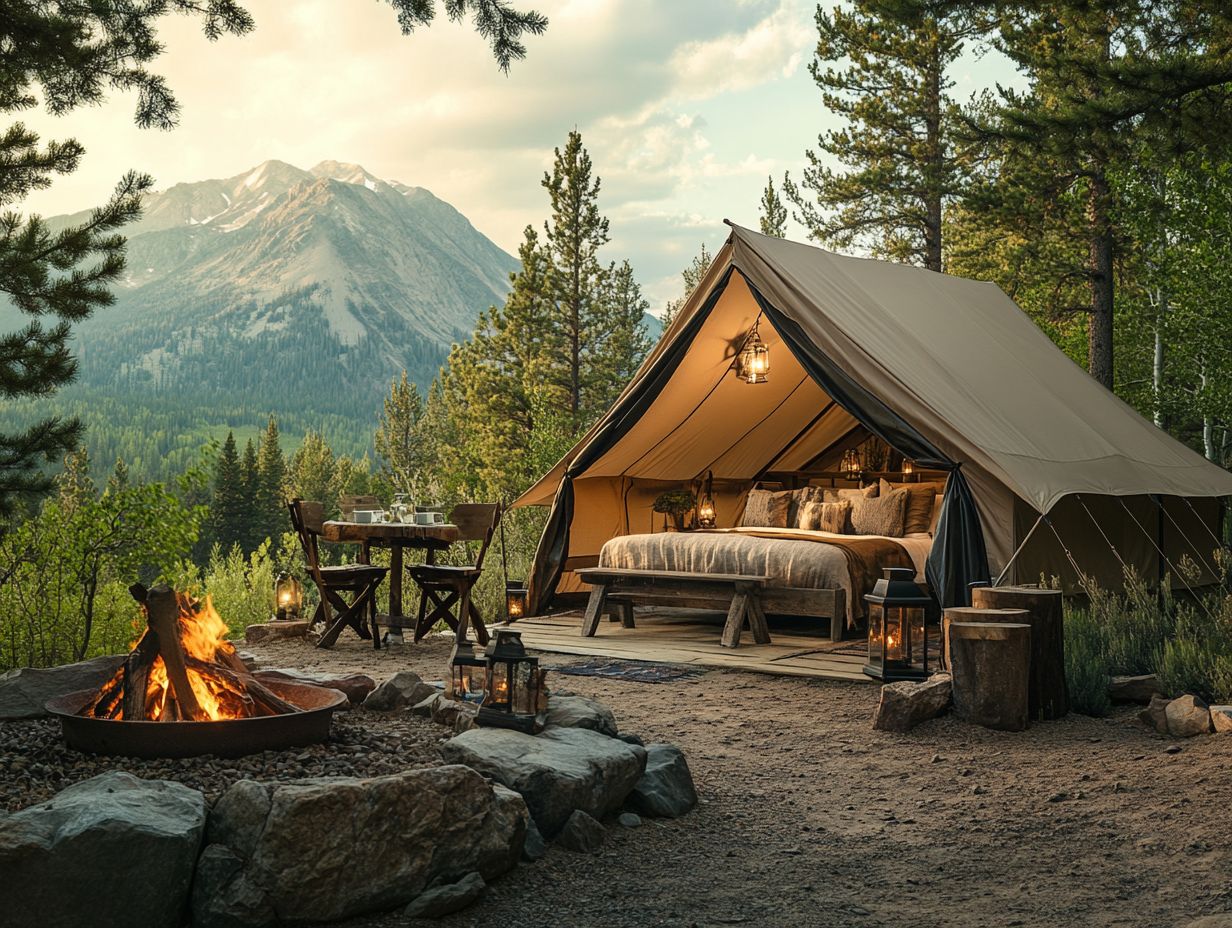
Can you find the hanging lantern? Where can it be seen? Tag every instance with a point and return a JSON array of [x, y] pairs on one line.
[[850, 466], [466, 672], [515, 600], [753, 363], [513, 691], [288, 598], [707, 517], [897, 633], [908, 468]]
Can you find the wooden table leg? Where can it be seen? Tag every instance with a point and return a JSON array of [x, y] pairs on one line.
[[757, 618], [594, 609], [735, 619], [395, 590]]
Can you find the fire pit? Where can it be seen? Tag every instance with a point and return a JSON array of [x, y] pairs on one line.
[[183, 691]]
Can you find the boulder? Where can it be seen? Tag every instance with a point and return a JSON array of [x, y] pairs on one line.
[[535, 847], [111, 850], [581, 833], [629, 820], [1140, 689], [581, 712], [556, 772], [1188, 716], [402, 689], [1221, 716], [24, 690], [455, 713], [330, 848], [905, 704], [1221, 920], [355, 686], [274, 631], [665, 789], [1156, 714], [448, 898]]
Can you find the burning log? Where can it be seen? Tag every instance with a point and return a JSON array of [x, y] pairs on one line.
[[183, 669]]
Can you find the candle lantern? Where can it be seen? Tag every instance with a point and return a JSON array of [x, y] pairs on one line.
[[908, 468], [466, 672], [516, 596], [754, 359], [897, 631], [288, 597], [850, 466], [707, 516], [513, 692]]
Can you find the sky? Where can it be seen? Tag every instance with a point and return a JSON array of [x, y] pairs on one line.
[[686, 107]]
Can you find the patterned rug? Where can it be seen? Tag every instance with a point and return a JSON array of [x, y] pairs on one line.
[[633, 671]]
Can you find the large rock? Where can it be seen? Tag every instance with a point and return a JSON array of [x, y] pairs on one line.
[[581, 833], [1221, 716], [355, 686], [1222, 920], [665, 789], [112, 850], [24, 690], [325, 849], [581, 712], [556, 772], [1140, 689], [447, 899], [1156, 714], [1188, 716], [905, 704], [402, 689]]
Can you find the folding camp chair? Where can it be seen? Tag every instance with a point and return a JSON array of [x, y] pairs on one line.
[[361, 580]]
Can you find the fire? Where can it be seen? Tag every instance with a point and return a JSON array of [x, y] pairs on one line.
[[221, 686]]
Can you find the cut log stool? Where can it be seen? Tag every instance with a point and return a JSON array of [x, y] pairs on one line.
[[1049, 693], [990, 664]]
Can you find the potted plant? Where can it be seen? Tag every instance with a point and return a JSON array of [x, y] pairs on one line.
[[677, 504]]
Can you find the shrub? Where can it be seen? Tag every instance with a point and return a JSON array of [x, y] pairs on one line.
[[1086, 663]]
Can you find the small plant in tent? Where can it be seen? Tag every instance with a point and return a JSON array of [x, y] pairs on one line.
[[677, 504]]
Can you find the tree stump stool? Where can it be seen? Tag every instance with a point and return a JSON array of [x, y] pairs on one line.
[[973, 614], [990, 664], [1049, 693]]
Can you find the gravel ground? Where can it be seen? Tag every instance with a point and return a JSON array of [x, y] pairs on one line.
[[810, 818]]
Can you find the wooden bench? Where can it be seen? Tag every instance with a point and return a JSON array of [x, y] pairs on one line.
[[739, 594]]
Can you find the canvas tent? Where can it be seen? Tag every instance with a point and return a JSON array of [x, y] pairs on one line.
[[947, 371]]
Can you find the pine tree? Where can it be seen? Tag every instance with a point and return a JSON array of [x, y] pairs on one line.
[[573, 236], [269, 493], [229, 506], [1107, 82], [312, 472], [882, 68], [250, 533], [773, 220], [66, 55], [397, 438], [692, 277], [624, 343]]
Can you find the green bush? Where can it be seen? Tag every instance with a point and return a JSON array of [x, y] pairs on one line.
[[1086, 663]]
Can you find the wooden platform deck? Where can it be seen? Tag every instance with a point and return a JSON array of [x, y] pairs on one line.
[[680, 636]]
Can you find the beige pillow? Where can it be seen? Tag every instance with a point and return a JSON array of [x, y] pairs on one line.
[[882, 515], [920, 504], [826, 517], [868, 492], [766, 509]]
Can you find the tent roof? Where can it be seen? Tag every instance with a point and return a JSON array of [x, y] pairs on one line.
[[955, 358]]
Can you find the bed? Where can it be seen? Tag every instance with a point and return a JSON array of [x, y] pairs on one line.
[[802, 565]]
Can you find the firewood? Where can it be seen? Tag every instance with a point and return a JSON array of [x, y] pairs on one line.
[[163, 614], [136, 674], [226, 655]]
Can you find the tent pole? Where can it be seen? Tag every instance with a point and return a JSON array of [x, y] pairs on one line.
[[1017, 551]]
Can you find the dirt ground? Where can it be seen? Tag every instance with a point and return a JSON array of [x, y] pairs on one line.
[[808, 817]]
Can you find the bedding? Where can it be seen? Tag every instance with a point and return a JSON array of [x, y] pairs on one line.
[[789, 557], [767, 508], [881, 515]]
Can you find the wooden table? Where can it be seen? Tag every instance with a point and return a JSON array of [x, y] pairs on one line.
[[396, 536]]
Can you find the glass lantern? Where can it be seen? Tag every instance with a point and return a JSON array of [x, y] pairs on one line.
[[288, 598], [897, 627], [754, 358], [850, 466], [706, 516], [516, 596], [908, 468], [466, 673], [513, 694]]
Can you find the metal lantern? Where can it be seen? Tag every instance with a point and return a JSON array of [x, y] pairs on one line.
[[516, 596], [897, 629], [707, 516], [754, 364], [466, 672], [288, 597], [513, 694], [908, 468], [850, 465]]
